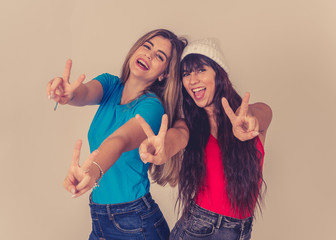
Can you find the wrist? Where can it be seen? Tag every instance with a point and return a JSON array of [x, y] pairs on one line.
[[97, 173]]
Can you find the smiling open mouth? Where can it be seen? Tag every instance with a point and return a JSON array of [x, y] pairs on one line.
[[142, 64], [199, 92]]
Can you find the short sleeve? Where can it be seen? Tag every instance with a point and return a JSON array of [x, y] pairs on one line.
[[109, 83], [152, 111]]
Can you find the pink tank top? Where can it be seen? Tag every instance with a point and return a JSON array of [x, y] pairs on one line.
[[214, 197]]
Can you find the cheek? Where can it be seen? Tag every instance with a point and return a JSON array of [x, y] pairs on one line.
[[184, 83], [160, 67]]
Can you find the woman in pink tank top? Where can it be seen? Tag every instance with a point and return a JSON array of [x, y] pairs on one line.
[[220, 179]]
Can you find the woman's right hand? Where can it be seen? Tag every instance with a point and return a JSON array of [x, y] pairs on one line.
[[81, 179], [60, 88], [245, 125], [152, 149]]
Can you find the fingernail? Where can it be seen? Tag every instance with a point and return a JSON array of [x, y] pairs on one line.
[[143, 155], [73, 191], [73, 196], [49, 97]]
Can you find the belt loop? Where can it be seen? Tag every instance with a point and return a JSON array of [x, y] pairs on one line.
[[219, 221], [146, 202], [110, 216]]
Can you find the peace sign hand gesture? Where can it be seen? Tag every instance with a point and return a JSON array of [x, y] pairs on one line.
[[244, 125], [60, 88], [81, 179], [152, 149]]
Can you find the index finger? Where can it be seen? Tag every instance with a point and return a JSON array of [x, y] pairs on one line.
[[164, 126], [244, 104], [147, 129], [228, 110], [76, 153], [67, 70], [83, 185]]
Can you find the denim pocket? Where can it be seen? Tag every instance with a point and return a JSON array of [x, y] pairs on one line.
[[174, 231], [128, 222], [231, 225], [155, 218], [96, 227], [200, 228], [179, 226], [162, 228]]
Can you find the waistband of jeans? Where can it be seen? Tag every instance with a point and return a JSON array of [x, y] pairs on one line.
[[145, 201], [217, 219]]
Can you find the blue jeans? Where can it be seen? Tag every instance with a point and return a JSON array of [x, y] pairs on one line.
[[139, 219], [200, 223]]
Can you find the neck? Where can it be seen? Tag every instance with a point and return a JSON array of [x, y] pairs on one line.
[[212, 121], [133, 89]]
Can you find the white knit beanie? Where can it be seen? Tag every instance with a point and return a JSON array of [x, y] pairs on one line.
[[208, 48]]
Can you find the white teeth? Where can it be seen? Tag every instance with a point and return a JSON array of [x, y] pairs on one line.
[[143, 63], [198, 89]]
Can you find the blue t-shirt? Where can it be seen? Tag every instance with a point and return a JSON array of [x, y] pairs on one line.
[[127, 179]]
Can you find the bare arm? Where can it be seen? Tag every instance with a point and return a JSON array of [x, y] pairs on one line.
[[159, 148], [249, 121], [177, 137], [77, 94], [90, 93], [126, 138]]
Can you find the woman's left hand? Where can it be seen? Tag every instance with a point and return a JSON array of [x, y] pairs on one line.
[[152, 149], [81, 179], [244, 125]]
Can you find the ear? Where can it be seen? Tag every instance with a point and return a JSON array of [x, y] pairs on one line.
[[162, 76]]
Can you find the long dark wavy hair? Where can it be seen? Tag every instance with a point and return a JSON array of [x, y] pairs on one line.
[[241, 160]]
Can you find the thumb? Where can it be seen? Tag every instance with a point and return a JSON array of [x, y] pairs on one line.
[[84, 183], [253, 124], [147, 158], [69, 186]]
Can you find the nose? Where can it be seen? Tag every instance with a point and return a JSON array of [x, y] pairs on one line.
[[193, 78], [148, 54]]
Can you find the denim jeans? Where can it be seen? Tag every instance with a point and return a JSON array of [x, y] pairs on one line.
[[139, 219], [200, 223]]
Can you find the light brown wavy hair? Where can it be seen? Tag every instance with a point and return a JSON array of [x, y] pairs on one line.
[[169, 92]]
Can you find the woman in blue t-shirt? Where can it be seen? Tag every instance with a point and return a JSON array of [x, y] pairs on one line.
[[121, 205]]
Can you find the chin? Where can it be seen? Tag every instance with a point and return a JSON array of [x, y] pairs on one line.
[[200, 105]]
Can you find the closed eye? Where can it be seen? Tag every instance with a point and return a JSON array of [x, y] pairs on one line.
[[147, 46], [160, 57]]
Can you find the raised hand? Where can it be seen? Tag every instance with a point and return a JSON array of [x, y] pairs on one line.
[[81, 179], [152, 149], [244, 125], [60, 88]]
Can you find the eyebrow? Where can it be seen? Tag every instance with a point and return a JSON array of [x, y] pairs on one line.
[[158, 50]]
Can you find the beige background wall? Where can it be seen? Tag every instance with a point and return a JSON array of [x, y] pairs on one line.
[[283, 52]]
